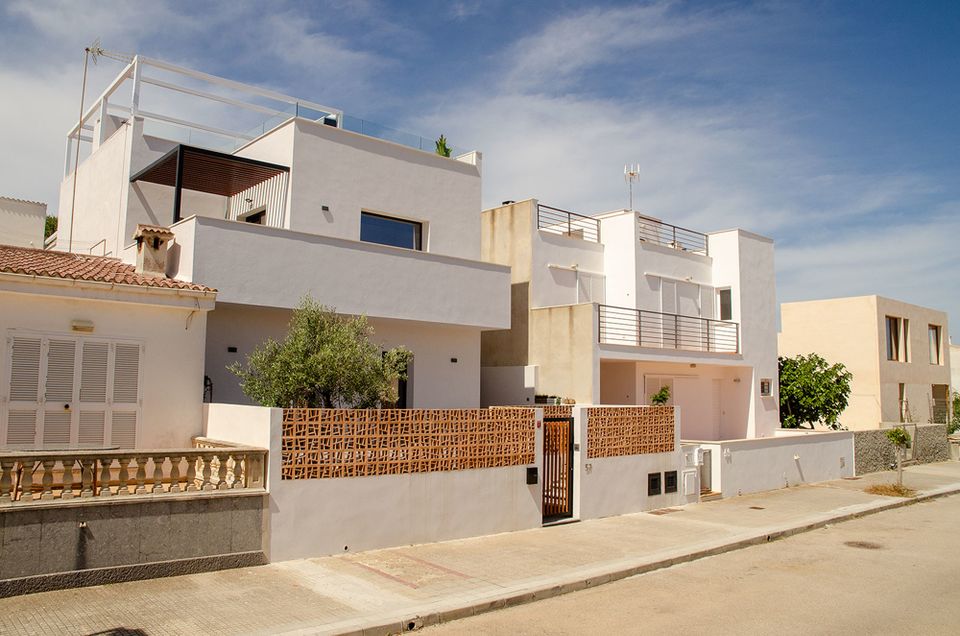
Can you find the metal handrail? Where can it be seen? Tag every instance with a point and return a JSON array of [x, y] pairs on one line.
[[679, 238], [654, 329], [566, 223]]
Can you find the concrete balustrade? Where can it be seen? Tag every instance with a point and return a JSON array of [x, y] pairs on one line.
[[34, 477]]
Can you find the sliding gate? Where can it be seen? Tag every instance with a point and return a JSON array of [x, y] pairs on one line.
[[557, 468]]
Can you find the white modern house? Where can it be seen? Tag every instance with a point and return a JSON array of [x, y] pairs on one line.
[[607, 309], [21, 222], [363, 219]]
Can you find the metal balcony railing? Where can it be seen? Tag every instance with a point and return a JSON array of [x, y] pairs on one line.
[[641, 328], [557, 221], [679, 238]]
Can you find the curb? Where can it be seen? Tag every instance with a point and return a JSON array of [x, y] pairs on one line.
[[383, 626]]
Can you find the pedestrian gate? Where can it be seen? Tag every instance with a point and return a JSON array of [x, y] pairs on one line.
[[557, 468]]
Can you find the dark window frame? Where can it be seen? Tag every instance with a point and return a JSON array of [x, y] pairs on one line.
[[670, 482], [729, 294], [654, 484], [416, 225]]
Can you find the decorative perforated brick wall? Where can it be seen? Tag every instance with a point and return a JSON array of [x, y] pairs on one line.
[[629, 430]]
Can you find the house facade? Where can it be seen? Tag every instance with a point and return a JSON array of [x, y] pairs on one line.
[[303, 205], [22, 222], [608, 309], [93, 349], [897, 352]]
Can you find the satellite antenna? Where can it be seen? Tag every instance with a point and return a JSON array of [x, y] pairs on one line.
[[630, 174], [94, 51]]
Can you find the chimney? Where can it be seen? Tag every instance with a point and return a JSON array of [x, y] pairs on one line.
[[152, 250]]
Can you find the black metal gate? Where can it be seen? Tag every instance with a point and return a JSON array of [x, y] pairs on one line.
[[557, 468]]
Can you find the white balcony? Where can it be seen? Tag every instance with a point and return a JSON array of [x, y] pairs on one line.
[[256, 265]]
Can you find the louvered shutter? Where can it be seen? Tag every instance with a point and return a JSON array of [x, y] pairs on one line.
[[126, 395], [23, 407], [94, 370], [58, 392]]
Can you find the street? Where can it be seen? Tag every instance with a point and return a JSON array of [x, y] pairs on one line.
[[891, 573]]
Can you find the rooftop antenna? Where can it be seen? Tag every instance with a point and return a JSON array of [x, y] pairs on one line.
[[94, 51], [630, 174]]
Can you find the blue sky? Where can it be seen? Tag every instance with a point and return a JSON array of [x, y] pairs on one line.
[[829, 126]]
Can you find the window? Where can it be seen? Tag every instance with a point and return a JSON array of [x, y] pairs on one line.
[[653, 484], [766, 385], [894, 339], [388, 231], [725, 304], [670, 481], [936, 357], [902, 405]]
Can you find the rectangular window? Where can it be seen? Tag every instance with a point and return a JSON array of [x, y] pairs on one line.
[[902, 402], [893, 338], [936, 357], [653, 484], [905, 340], [725, 304], [375, 228], [766, 387], [670, 481]]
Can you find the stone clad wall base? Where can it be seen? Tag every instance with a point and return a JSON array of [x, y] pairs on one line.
[[111, 541], [874, 452]]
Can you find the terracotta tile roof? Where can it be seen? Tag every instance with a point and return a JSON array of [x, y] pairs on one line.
[[51, 264]]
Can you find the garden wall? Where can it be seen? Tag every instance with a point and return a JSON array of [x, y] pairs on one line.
[[874, 452]]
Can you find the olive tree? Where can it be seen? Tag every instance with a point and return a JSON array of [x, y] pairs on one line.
[[326, 360], [900, 439], [812, 391]]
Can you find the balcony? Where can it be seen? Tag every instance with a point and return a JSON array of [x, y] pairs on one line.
[[271, 267], [652, 329], [557, 221], [657, 232]]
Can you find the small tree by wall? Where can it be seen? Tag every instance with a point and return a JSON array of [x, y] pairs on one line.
[[442, 148], [661, 397], [49, 226], [325, 361], [900, 439], [812, 391]]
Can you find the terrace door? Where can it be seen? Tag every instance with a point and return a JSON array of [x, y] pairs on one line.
[[557, 468]]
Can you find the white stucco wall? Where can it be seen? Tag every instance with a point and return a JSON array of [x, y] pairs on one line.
[[435, 381], [561, 285], [790, 458], [330, 516], [173, 336], [607, 486], [510, 386], [352, 276], [21, 222]]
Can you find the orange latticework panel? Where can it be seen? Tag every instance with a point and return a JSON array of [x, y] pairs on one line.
[[629, 430], [549, 410], [325, 443]]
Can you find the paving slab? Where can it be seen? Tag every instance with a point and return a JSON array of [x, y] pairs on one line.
[[387, 591]]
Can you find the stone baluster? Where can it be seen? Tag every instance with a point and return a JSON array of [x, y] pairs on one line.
[[141, 477], [6, 480], [124, 476], [175, 473], [26, 480], [207, 460], [239, 478], [222, 485], [86, 477], [67, 492], [46, 479], [191, 473], [158, 473], [254, 472], [105, 463]]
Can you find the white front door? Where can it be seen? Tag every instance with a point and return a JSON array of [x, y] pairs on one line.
[[65, 391]]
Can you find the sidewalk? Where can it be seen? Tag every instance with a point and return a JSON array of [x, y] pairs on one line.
[[384, 591]]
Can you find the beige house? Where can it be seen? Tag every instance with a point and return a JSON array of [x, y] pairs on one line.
[[897, 352], [96, 353]]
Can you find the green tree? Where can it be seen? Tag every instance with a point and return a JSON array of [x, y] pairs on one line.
[[954, 424], [812, 391], [661, 397], [900, 439], [325, 361], [441, 147], [49, 226]]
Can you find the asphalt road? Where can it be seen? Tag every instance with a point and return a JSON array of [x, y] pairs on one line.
[[896, 572]]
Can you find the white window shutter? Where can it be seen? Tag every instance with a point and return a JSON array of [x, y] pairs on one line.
[[124, 430], [56, 428], [25, 370], [93, 372], [22, 427], [61, 357], [126, 374], [90, 432]]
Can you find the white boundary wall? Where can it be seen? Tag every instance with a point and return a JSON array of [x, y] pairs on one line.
[[789, 458], [314, 517], [608, 486]]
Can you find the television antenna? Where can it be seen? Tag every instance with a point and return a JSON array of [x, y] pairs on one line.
[[630, 174], [94, 52]]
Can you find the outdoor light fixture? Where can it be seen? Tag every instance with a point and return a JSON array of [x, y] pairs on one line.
[[82, 326]]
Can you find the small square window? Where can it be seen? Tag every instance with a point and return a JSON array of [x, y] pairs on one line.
[[670, 481], [653, 484], [766, 387]]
